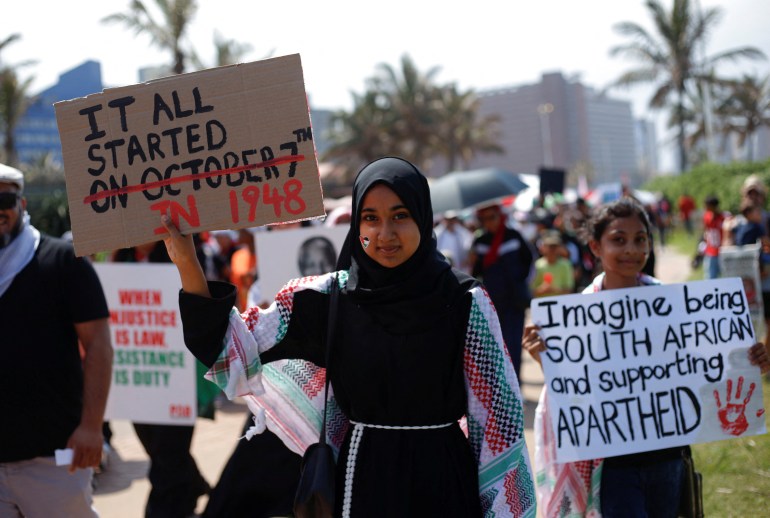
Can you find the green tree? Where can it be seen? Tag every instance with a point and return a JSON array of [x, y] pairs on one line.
[[229, 52], [746, 109], [360, 136], [668, 57], [462, 133], [168, 34], [46, 193], [414, 101], [14, 100], [7, 41], [405, 112]]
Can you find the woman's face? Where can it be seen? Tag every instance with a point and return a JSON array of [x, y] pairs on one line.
[[623, 248], [388, 233]]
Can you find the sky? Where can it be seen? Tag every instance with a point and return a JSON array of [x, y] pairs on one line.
[[479, 44]]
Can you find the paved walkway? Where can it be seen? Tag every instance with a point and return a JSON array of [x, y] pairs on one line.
[[122, 490]]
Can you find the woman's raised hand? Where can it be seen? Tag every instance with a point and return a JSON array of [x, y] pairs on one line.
[[181, 250]]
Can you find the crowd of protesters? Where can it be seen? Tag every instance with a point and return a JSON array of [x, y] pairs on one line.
[[517, 254]]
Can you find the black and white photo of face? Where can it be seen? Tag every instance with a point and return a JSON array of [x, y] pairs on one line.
[[316, 256]]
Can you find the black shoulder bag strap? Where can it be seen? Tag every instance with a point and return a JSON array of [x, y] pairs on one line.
[[316, 491], [330, 328]]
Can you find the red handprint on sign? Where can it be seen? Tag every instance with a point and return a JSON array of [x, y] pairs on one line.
[[733, 415]]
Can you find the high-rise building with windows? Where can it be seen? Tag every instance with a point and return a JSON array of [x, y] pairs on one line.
[[560, 123], [37, 134]]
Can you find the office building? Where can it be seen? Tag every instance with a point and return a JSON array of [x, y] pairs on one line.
[[37, 134], [560, 123]]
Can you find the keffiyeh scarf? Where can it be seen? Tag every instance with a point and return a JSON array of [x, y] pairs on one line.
[[291, 394], [18, 254]]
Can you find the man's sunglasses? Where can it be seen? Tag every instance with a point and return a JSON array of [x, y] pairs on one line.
[[8, 200]]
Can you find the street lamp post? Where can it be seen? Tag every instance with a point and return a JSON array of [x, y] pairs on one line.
[[545, 110]]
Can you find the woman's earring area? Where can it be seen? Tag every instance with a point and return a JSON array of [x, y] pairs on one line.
[[364, 241]]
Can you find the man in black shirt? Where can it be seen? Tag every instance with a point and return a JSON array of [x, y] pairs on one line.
[[501, 258], [51, 306]]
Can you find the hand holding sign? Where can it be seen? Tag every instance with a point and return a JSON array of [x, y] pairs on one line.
[[181, 250], [532, 342], [758, 356]]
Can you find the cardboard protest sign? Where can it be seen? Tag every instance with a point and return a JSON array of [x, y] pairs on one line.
[[647, 368], [283, 255], [153, 373], [743, 262], [229, 147]]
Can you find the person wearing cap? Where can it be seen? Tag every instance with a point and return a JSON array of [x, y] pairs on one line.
[[713, 219], [50, 301], [454, 240], [554, 274]]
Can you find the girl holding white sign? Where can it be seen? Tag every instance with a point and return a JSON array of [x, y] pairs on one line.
[[418, 346], [640, 484]]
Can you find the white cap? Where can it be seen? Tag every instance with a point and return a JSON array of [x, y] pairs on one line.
[[11, 175]]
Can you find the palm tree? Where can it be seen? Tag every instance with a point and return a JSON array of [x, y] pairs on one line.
[[229, 52], [360, 136], [7, 41], [668, 58], [461, 133], [169, 35], [415, 102], [747, 109], [14, 101]]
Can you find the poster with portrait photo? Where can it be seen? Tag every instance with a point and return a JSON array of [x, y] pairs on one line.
[[296, 252]]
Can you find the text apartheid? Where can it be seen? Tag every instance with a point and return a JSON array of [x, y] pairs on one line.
[[625, 369]]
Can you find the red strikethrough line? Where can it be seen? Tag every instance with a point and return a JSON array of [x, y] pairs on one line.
[[190, 177]]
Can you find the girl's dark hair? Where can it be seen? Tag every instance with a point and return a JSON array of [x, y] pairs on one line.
[[604, 215]]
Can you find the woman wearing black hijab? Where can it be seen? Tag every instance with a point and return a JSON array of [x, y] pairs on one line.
[[418, 346]]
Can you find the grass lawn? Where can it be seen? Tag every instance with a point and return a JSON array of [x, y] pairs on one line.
[[686, 244], [736, 473]]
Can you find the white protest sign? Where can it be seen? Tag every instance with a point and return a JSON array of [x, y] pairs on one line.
[[743, 262], [283, 255], [153, 374], [646, 368]]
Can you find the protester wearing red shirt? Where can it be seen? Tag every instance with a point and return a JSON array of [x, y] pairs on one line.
[[712, 234], [686, 204]]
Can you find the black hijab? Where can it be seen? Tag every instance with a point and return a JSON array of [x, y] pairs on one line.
[[412, 296]]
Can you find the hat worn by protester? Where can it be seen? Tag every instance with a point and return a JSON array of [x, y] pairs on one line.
[[11, 175], [551, 237], [417, 346], [753, 183]]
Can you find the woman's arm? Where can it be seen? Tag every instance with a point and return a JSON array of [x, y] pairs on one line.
[[496, 416], [181, 250]]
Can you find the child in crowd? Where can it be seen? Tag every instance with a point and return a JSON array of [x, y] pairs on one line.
[[554, 274], [638, 484], [713, 220]]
